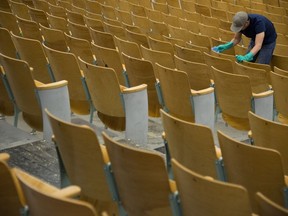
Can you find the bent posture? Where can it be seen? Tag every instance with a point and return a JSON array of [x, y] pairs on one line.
[[262, 33]]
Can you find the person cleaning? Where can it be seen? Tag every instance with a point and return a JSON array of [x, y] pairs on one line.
[[262, 33]]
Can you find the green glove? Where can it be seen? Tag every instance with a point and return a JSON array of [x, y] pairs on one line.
[[223, 47], [248, 57]]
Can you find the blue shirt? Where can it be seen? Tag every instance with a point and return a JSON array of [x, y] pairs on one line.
[[258, 24]]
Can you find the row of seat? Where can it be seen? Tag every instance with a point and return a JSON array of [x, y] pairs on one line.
[[109, 58], [144, 172]]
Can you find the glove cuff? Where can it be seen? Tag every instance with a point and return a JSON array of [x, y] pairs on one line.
[[250, 55], [229, 45]]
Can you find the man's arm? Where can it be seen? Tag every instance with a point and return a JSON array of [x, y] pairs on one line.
[[258, 43], [237, 38]]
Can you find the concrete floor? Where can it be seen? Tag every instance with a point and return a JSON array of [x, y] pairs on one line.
[[38, 157]]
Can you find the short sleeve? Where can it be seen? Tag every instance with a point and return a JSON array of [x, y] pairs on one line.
[[260, 27]]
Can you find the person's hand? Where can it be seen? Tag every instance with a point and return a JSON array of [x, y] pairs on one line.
[[222, 47], [248, 57]]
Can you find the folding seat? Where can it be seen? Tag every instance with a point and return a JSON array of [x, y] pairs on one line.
[[102, 38], [280, 71], [32, 96], [158, 29], [193, 146], [65, 4], [234, 8], [203, 9], [80, 48], [278, 18], [54, 38], [259, 78], [240, 50], [200, 40], [225, 35], [6, 46], [20, 9], [210, 21], [281, 28], [154, 15], [279, 61], [196, 47], [57, 11], [188, 5], [110, 21], [118, 107], [173, 3], [222, 64], [235, 99], [179, 33], [83, 165], [282, 39], [281, 49], [124, 16], [32, 52], [45, 199], [176, 11], [255, 168], [269, 134], [171, 20], [7, 104], [154, 56], [193, 16], [265, 67], [145, 173], [218, 13], [267, 207], [39, 16], [5, 6], [108, 11], [222, 5], [141, 71], [161, 7], [96, 24], [180, 100], [79, 31], [245, 3], [41, 5], [78, 3], [174, 40], [141, 22], [223, 24], [65, 67], [222, 199], [118, 31], [9, 21], [279, 86], [276, 9], [190, 25], [29, 29], [93, 6], [139, 38], [107, 57], [75, 17], [11, 196], [163, 46], [127, 47], [137, 9], [188, 54], [198, 73], [57, 22], [258, 5], [78, 9]]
